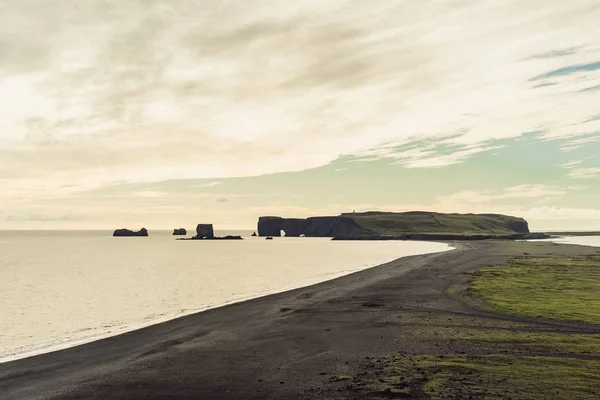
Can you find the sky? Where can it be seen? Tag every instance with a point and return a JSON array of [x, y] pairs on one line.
[[169, 113]]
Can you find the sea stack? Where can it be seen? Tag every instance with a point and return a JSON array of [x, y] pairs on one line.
[[205, 231], [129, 233], [179, 232]]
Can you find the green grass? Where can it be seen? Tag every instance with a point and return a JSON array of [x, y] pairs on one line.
[[497, 336], [385, 223], [491, 377], [476, 357], [566, 288]]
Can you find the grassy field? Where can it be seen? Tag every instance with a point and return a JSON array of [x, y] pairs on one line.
[[490, 377], [549, 287], [385, 223], [489, 336], [475, 357]]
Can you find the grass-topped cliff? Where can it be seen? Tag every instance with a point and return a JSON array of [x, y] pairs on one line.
[[414, 225], [435, 224]]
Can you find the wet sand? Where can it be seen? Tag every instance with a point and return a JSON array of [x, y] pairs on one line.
[[284, 346]]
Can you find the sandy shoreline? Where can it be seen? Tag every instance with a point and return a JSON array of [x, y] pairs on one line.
[[285, 345], [119, 330]]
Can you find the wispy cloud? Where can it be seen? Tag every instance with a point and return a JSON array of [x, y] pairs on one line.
[[244, 88], [584, 172], [591, 88], [426, 153], [210, 184], [533, 191], [585, 168], [580, 142], [571, 69], [557, 53]]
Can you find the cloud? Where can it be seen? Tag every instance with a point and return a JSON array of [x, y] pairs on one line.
[[584, 173], [210, 184], [586, 168], [591, 88], [580, 142], [557, 53], [448, 159], [571, 69], [149, 194], [244, 88], [532, 191], [426, 153]]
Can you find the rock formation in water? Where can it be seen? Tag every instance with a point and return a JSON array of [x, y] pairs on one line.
[[205, 231], [228, 237], [129, 233], [412, 225], [310, 227], [179, 232], [254, 234]]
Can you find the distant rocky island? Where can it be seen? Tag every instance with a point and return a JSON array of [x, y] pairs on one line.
[[179, 232], [206, 232], [129, 233], [414, 225]]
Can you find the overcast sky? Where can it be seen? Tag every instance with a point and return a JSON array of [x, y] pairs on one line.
[[167, 113]]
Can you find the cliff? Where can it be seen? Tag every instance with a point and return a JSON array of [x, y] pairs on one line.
[[415, 225], [310, 227], [422, 222]]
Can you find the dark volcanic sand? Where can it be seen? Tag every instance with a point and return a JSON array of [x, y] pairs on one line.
[[283, 346]]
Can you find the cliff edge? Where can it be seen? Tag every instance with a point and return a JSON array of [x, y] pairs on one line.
[[310, 227]]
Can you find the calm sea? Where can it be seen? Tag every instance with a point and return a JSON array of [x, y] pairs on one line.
[[582, 240], [59, 289]]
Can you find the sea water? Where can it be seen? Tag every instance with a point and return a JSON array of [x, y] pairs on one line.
[[59, 289], [581, 240]]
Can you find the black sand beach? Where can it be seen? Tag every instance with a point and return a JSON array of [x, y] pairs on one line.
[[292, 345]]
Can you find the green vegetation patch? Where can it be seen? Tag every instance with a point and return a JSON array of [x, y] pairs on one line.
[[496, 336], [566, 288], [489, 377], [479, 357]]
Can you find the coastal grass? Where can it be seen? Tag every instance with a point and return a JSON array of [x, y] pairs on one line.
[[496, 336], [387, 223], [564, 288], [490, 377], [486, 357]]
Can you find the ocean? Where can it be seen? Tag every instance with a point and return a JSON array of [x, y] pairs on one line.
[[63, 288], [581, 240]]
